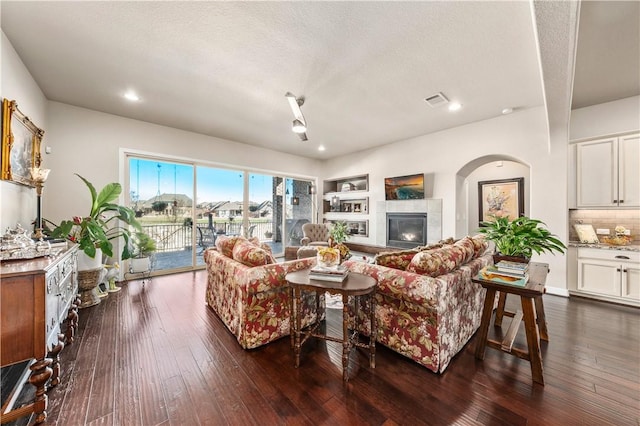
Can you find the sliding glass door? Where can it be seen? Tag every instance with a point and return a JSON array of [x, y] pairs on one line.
[[161, 193], [219, 207], [185, 208]]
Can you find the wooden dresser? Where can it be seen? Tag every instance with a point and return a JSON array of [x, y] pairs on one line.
[[36, 297]]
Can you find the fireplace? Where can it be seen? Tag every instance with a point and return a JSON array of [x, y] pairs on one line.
[[406, 230]]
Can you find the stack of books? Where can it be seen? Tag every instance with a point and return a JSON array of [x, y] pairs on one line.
[[507, 272], [335, 273]]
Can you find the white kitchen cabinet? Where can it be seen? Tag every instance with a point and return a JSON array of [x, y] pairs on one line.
[[607, 172], [612, 275]]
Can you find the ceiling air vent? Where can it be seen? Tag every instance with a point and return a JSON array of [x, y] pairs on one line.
[[436, 100]]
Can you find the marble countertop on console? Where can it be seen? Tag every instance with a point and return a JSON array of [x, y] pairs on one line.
[[630, 247]]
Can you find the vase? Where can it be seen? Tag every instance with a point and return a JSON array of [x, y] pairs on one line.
[[88, 286], [90, 273]]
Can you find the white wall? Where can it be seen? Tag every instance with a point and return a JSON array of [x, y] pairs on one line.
[[522, 136], [92, 144], [610, 118], [491, 171], [18, 202]]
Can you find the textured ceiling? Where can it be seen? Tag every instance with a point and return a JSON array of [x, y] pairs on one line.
[[222, 68], [608, 54]]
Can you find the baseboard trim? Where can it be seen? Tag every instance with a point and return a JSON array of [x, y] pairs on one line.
[[557, 291]]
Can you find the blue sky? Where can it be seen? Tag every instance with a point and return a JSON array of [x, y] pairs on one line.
[[213, 184]]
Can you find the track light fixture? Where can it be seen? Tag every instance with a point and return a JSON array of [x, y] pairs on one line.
[[299, 123]]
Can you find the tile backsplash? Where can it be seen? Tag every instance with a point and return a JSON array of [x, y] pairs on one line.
[[606, 219]]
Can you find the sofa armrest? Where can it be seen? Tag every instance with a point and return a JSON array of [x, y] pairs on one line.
[[408, 286], [305, 241]]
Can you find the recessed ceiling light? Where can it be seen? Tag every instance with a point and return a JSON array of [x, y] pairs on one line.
[[321, 148], [131, 96], [507, 111], [455, 106]]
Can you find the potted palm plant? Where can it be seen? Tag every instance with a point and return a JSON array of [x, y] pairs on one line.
[[143, 246], [518, 239], [95, 232]]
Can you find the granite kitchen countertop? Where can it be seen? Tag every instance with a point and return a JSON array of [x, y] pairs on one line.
[[603, 246]]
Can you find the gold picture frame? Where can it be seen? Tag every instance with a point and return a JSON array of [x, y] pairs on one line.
[[20, 145]]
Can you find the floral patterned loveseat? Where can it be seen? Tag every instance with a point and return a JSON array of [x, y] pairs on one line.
[[247, 290], [427, 307]]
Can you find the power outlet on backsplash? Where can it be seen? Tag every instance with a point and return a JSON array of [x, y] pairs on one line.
[[627, 232], [602, 231]]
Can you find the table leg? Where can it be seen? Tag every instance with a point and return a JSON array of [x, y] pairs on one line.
[[298, 324], [533, 339], [484, 325], [502, 300], [40, 373], [541, 319], [292, 317], [345, 337], [373, 335]]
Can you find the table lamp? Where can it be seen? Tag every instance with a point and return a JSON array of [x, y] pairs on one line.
[[39, 176]]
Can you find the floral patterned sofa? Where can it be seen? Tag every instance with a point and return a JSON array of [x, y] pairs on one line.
[[247, 290], [427, 307]]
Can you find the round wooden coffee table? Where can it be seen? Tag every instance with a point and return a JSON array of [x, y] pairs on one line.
[[355, 285]]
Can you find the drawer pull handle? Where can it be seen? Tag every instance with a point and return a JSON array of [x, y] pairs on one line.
[[623, 257]]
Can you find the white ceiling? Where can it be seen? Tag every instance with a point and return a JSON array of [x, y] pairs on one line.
[[222, 68]]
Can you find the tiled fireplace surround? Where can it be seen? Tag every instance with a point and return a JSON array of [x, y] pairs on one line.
[[433, 208], [606, 219]]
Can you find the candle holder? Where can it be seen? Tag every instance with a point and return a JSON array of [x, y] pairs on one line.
[[39, 177]]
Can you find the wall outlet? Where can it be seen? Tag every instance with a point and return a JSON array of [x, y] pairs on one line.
[[627, 232], [602, 231]]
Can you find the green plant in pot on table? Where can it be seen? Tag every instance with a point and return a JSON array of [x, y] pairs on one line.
[[338, 234], [520, 238]]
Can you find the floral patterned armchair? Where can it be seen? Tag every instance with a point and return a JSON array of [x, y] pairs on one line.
[[427, 308], [247, 290]]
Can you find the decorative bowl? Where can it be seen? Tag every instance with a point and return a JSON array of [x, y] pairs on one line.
[[618, 240]]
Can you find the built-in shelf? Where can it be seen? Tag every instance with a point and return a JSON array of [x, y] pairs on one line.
[[346, 205], [356, 227], [346, 184]]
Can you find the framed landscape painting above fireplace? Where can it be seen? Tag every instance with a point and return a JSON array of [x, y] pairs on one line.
[[404, 187], [501, 198]]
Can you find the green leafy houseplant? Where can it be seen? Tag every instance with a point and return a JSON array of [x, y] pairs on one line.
[[142, 245], [102, 225], [339, 232], [521, 237]]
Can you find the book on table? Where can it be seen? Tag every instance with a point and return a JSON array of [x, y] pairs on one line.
[[493, 270], [514, 267], [486, 274], [329, 273]]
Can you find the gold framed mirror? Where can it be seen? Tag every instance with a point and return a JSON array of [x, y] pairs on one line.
[[20, 144]]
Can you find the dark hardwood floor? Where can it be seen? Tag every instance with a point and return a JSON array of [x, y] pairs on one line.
[[158, 356]]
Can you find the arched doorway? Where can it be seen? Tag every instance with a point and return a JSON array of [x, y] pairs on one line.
[[490, 167]]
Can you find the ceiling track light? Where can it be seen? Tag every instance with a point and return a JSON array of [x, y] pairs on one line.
[[299, 123]]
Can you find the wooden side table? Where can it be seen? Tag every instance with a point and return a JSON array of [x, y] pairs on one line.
[[532, 312], [355, 285]]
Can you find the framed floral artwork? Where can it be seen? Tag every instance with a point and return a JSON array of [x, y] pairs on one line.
[[20, 144], [501, 198]]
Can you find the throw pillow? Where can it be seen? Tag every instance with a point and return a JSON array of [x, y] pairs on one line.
[[436, 262], [225, 244], [466, 244], [395, 259], [479, 245], [249, 254]]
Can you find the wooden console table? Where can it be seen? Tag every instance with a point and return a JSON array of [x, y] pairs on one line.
[[36, 296], [355, 285], [532, 312]]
